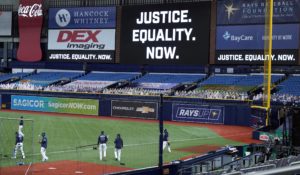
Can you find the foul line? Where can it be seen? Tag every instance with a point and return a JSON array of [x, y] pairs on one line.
[[141, 144], [28, 168]]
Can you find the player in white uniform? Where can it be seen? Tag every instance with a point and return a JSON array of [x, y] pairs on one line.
[[118, 147], [21, 126], [102, 140], [19, 145], [44, 144], [166, 140]]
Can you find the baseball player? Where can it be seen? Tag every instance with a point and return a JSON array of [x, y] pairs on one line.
[[166, 140], [102, 140], [118, 147], [44, 144], [21, 125], [19, 145]]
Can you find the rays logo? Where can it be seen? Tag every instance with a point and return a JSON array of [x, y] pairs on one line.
[[200, 113], [230, 10], [226, 35]]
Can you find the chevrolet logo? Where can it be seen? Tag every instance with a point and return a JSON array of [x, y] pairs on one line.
[[144, 109]]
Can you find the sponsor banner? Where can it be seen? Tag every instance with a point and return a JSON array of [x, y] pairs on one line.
[[279, 57], [138, 109], [82, 18], [166, 34], [156, 85], [253, 11], [81, 39], [53, 104], [266, 136], [198, 113], [251, 37], [5, 23], [30, 21], [82, 56]]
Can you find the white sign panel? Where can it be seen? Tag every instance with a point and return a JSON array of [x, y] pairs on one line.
[[5, 23], [81, 39]]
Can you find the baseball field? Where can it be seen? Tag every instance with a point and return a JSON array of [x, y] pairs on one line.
[[72, 139]]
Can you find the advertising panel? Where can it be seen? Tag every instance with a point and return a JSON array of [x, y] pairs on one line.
[[81, 45], [5, 23], [137, 109], [198, 113], [53, 104], [82, 18], [81, 39], [166, 34], [251, 37], [253, 11], [30, 20], [82, 56], [279, 57]]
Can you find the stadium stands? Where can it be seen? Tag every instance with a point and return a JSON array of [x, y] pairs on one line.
[[239, 80], [169, 78], [290, 86], [6, 77], [287, 91], [223, 79], [94, 82], [43, 79]]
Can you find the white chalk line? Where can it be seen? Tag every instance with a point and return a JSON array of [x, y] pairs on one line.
[[28, 168]]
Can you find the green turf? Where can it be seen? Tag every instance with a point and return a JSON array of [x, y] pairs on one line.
[[140, 139]]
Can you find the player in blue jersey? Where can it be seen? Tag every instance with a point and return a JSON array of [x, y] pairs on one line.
[[44, 143], [118, 147], [19, 145], [102, 140], [166, 140]]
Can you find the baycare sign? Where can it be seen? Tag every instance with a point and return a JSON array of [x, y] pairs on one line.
[[30, 19]]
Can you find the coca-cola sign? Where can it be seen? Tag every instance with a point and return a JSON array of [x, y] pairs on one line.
[[30, 19], [30, 10]]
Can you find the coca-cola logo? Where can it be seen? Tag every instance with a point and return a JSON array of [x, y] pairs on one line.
[[34, 10]]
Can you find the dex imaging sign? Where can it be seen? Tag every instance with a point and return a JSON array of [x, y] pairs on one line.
[[82, 34], [81, 39], [94, 45]]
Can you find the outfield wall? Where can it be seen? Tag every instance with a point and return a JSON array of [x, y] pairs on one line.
[[228, 112]]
